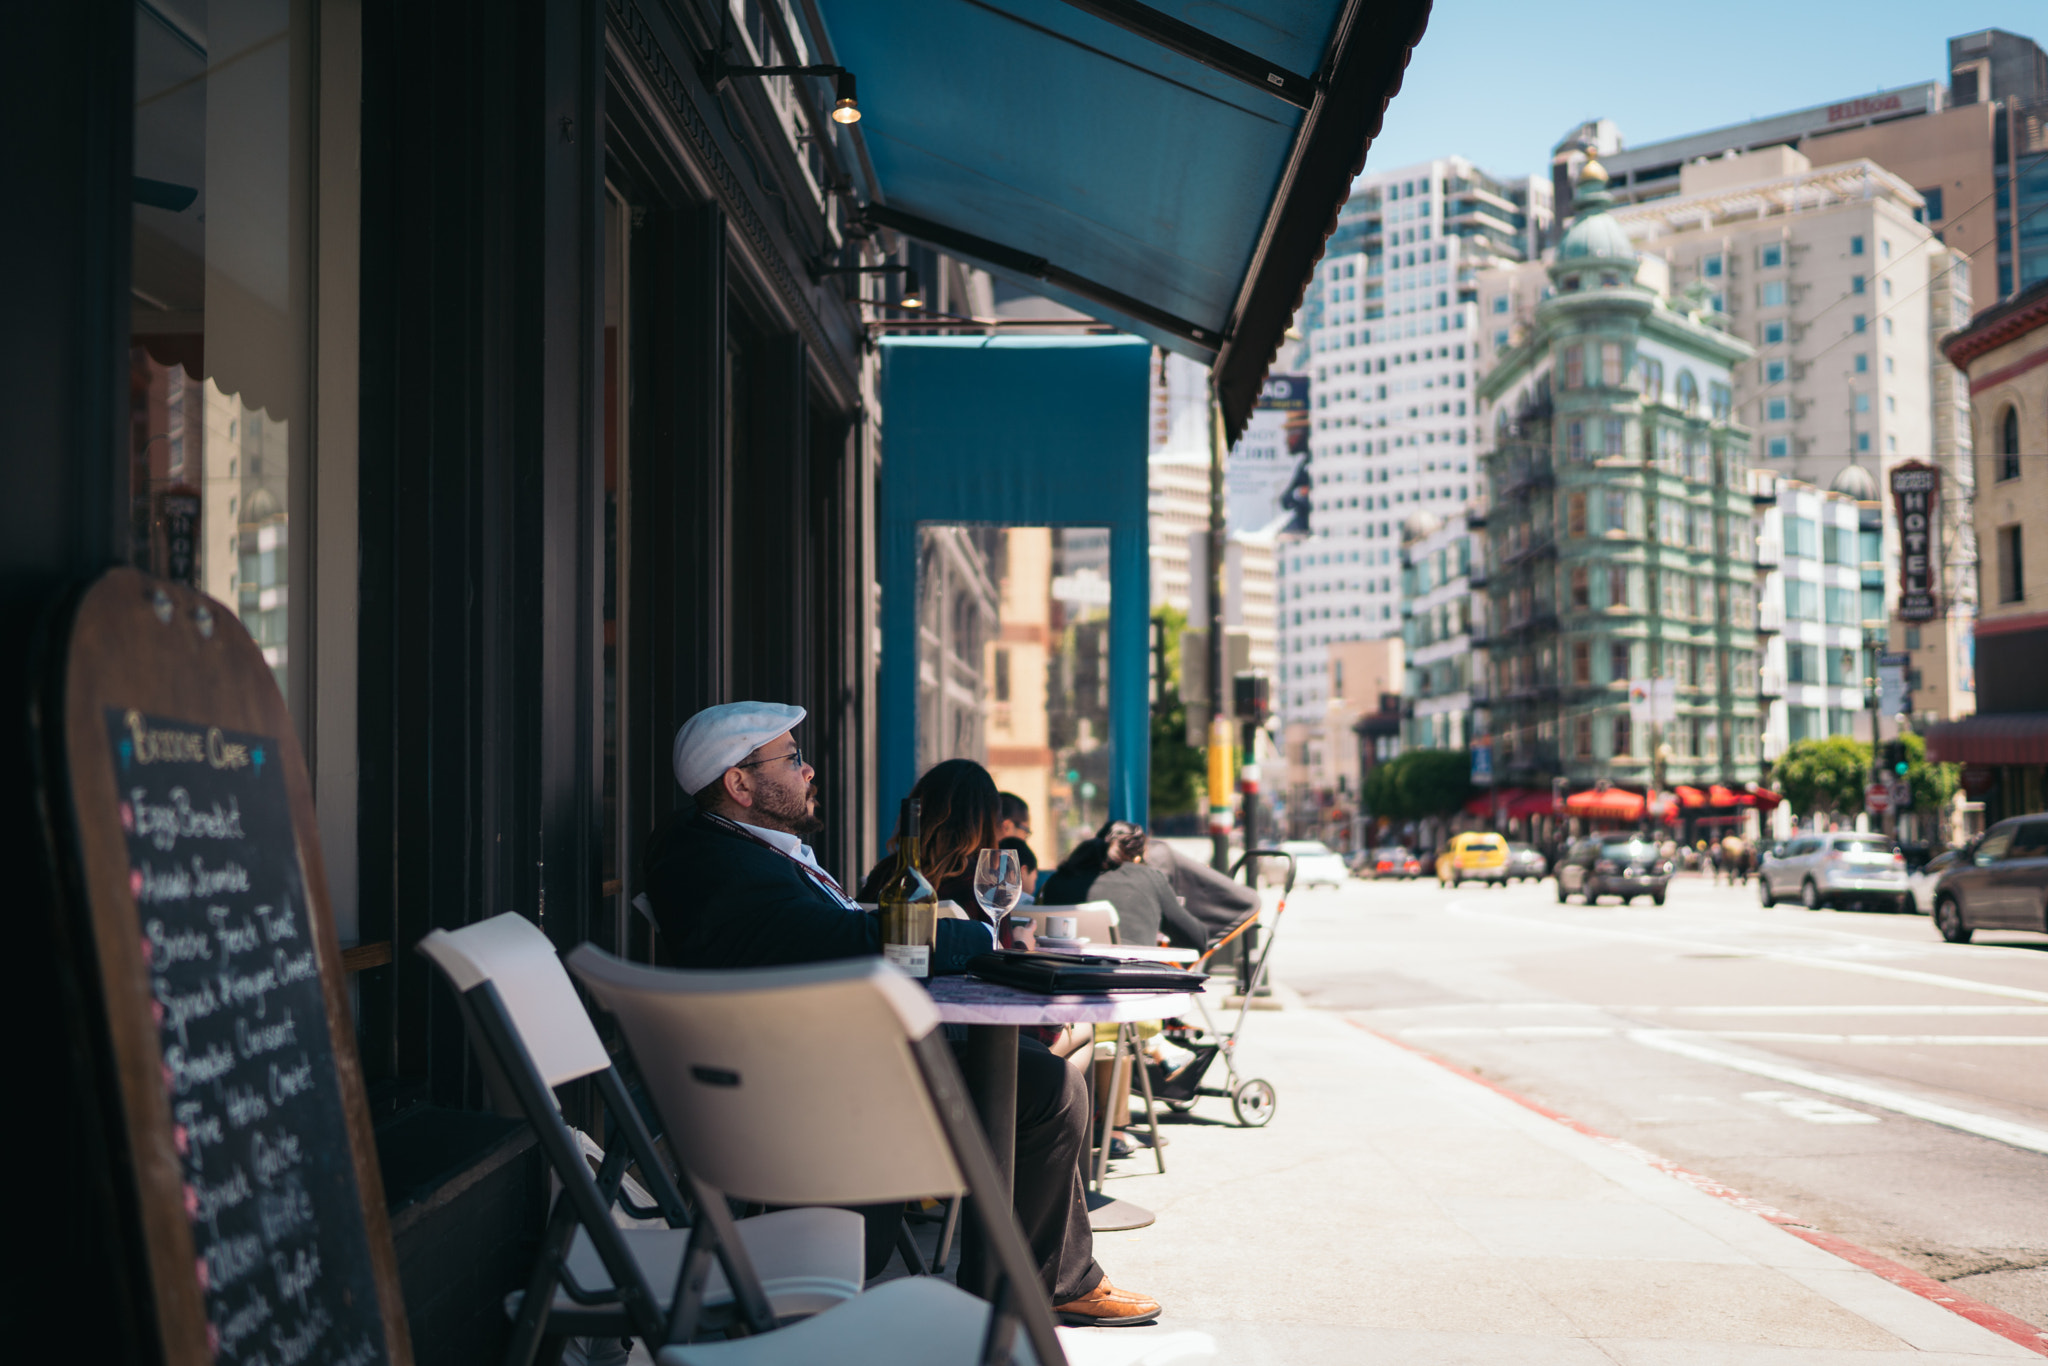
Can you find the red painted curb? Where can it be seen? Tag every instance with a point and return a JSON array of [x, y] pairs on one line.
[[1984, 1315]]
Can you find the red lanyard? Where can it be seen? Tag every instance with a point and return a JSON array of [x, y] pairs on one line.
[[817, 875]]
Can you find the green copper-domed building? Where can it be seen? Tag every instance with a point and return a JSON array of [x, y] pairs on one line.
[[1619, 536]]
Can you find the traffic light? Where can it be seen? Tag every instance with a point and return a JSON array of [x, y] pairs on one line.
[[1252, 697], [1895, 757]]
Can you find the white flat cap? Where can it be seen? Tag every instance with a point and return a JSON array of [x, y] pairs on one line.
[[718, 737]]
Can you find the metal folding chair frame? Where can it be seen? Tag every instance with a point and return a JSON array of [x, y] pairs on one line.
[[586, 1201]]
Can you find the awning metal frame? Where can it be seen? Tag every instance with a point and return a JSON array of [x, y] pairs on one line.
[[1345, 104]]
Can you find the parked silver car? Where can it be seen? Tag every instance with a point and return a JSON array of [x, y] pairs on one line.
[[2000, 882], [1526, 861], [1842, 869]]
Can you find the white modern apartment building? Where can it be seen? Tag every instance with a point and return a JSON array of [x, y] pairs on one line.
[[1389, 326], [1812, 545], [1178, 503]]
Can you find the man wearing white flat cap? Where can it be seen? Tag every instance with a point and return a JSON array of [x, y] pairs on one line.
[[733, 885]]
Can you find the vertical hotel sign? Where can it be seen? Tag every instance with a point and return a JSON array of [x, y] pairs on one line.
[[1916, 494]]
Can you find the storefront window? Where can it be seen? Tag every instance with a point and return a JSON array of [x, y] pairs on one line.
[[218, 366]]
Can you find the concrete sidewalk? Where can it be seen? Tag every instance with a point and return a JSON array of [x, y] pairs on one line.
[[1397, 1212]]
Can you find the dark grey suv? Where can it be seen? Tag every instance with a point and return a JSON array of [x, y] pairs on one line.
[[2000, 882]]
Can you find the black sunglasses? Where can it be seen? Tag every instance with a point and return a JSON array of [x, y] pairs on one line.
[[795, 757]]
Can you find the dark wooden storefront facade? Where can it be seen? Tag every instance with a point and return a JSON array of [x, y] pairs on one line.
[[685, 480]]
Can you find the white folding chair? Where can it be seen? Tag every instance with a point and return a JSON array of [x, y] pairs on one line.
[[699, 1271], [829, 1082], [1093, 920]]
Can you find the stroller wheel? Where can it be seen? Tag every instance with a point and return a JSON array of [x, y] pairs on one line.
[[1254, 1101]]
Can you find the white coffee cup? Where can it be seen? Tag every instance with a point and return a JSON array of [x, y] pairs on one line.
[[1062, 926]]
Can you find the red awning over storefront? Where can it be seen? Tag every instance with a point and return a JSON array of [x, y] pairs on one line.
[[1690, 796], [2010, 738], [1611, 805], [1513, 804], [1718, 795]]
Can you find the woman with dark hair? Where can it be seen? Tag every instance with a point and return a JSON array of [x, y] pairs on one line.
[[1111, 867], [958, 815]]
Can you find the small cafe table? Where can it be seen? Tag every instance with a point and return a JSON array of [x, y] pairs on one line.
[[993, 1014]]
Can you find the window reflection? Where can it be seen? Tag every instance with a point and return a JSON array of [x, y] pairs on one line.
[[216, 370]]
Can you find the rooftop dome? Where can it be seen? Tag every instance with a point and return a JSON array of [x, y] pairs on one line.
[[1594, 235], [1856, 482], [1420, 524]]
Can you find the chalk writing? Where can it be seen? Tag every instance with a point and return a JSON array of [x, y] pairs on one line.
[[282, 1254]]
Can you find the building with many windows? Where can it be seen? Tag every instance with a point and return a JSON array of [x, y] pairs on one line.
[[1388, 328], [1971, 150], [1817, 554], [1619, 534], [1442, 565]]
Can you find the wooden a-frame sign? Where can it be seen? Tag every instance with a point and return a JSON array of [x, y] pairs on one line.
[[184, 826]]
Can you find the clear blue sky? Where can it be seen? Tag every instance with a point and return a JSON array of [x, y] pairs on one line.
[[1502, 82]]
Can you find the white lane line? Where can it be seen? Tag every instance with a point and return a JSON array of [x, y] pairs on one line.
[[1831, 1010], [1535, 1031], [1882, 1040], [1809, 1109], [1582, 1007], [1932, 979], [1862, 1093]]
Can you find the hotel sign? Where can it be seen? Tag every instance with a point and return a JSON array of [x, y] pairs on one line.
[[1916, 494], [1864, 108]]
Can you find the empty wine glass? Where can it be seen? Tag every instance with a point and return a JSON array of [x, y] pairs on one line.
[[998, 881]]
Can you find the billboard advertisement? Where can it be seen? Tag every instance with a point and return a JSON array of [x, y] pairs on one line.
[[1267, 476], [1916, 494]]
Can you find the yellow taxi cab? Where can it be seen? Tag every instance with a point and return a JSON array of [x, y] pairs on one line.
[[1475, 856]]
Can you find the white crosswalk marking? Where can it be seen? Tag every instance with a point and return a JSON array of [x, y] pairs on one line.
[[1809, 1109]]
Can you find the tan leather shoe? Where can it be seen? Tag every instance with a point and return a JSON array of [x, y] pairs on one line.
[[1107, 1307]]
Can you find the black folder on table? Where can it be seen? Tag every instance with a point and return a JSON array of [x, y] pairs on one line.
[[1058, 973]]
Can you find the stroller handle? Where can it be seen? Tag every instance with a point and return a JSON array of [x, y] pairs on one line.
[[1252, 856], [1287, 885]]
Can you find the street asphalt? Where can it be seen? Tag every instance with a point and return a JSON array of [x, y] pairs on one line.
[[1849, 1068]]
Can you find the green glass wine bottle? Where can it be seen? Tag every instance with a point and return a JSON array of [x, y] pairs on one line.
[[910, 908]]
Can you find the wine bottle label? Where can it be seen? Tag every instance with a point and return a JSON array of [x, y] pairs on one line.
[[915, 959]]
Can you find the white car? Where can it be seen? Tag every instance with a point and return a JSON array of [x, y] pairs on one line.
[[1919, 899], [1315, 865]]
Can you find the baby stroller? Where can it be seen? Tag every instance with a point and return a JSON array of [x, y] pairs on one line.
[[1252, 1099]]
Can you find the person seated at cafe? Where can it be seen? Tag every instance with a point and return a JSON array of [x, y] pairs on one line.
[[958, 812], [1027, 863], [1111, 867], [733, 885], [1014, 832]]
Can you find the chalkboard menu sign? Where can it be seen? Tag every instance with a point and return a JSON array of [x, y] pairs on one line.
[[254, 1177]]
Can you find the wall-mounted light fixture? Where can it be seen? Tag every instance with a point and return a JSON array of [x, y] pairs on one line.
[[913, 287], [846, 100]]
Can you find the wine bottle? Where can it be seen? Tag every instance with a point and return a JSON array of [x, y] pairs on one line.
[[910, 908]]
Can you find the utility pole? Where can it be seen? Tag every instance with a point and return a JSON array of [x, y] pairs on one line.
[[1219, 654], [1875, 638]]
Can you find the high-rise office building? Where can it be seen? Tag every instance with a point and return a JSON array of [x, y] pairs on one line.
[[1388, 327], [1387, 335]]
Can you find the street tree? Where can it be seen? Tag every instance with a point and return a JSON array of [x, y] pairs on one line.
[[1179, 771], [1824, 776]]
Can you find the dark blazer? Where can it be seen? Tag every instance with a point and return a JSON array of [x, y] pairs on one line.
[[724, 901]]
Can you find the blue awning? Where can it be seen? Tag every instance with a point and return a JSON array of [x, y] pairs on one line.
[[1172, 171]]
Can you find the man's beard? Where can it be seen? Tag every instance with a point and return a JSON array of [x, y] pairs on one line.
[[797, 815]]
